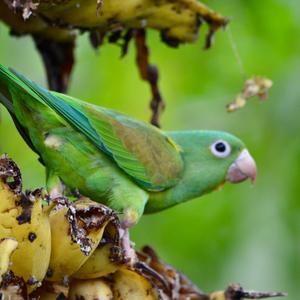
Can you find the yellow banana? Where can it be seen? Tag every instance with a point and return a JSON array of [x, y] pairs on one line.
[[219, 295], [7, 247], [130, 285], [180, 17], [92, 289], [177, 20], [22, 217], [76, 230], [99, 264], [50, 291]]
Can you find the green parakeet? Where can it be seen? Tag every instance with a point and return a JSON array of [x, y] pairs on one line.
[[114, 159]]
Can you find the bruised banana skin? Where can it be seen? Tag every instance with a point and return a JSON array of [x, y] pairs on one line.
[[98, 264], [96, 289], [72, 244], [22, 217], [179, 18]]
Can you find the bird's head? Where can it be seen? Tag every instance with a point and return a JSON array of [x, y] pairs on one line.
[[214, 157]]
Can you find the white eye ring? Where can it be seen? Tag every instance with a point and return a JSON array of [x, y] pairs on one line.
[[220, 148]]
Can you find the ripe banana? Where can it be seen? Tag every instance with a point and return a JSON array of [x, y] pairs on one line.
[[7, 247], [76, 231], [99, 264], [124, 284], [96, 289], [22, 217], [178, 20], [130, 285]]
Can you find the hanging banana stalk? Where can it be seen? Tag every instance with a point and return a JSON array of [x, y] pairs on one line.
[[54, 26]]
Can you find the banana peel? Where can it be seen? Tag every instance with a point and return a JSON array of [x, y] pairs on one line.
[[178, 20], [90, 289], [7, 247], [23, 218], [130, 285], [99, 264], [76, 231]]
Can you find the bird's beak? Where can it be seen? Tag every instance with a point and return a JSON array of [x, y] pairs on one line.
[[244, 167]]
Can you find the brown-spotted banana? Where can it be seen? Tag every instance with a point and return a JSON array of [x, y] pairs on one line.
[[178, 19], [23, 218], [76, 231], [50, 291]]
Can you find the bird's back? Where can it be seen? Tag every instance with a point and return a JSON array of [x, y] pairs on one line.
[[140, 150]]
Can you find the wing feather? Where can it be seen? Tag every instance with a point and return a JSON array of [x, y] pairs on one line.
[[142, 151]]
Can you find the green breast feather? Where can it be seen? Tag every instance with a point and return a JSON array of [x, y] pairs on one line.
[[145, 153]]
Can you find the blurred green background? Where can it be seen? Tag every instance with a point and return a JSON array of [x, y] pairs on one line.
[[247, 234]]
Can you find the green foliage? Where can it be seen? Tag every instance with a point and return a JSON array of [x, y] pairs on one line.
[[243, 233]]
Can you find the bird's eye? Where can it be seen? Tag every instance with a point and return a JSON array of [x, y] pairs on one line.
[[220, 148]]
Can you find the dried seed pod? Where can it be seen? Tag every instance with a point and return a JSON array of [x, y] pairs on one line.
[[256, 86]]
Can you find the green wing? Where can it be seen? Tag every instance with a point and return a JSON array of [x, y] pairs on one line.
[[141, 150]]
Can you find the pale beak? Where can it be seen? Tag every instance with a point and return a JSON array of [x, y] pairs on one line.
[[243, 168]]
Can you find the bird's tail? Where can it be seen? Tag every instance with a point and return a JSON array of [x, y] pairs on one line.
[[11, 83]]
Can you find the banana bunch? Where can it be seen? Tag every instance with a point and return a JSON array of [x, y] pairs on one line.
[[177, 20], [23, 219], [50, 240], [57, 249], [55, 24]]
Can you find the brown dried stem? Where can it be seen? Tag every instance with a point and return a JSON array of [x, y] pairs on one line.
[[149, 73]]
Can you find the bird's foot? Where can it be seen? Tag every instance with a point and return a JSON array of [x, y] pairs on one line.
[[128, 247]]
